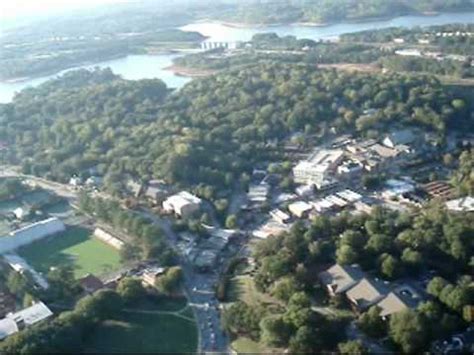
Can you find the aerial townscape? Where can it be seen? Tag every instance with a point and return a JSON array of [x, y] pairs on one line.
[[237, 177]]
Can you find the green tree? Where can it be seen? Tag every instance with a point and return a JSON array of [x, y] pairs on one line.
[[131, 289], [372, 323], [353, 347], [231, 221], [408, 330]]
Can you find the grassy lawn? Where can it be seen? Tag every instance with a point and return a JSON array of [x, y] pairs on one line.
[[74, 247], [144, 333], [243, 288], [246, 346]]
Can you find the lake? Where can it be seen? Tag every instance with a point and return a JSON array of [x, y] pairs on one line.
[[136, 67], [132, 67]]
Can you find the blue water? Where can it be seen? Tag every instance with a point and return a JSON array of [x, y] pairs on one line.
[[135, 67]]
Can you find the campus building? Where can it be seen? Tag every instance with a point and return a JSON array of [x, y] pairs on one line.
[[318, 167], [182, 204]]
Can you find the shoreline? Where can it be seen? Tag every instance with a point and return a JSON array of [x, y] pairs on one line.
[[243, 25], [190, 72]]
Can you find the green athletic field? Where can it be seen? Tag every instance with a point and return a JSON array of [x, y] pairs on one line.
[[75, 247]]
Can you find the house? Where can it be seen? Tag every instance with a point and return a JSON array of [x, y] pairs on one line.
[[464, 204], [366, 293], [300, 209], [391, 304], [14, 322], [21, 212], [305, 190], [403, 137], [91, 283], [341, 278], [258, 194], [269, 229], [401, 298], [75, 181], [280, 216], [134, 187], [318, 167], [150, 275], [156, 191], [182, 204]]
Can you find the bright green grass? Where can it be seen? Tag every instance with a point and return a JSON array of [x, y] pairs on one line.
[[246, 346], [75, 247], [144, 333]]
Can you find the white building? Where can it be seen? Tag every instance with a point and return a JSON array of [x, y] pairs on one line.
[[280, 216], [258, 194], [300, 208], [182, 204], [464, 204], [318, 167], [21, 212], [31, 233], [13, 322], [409, 52]]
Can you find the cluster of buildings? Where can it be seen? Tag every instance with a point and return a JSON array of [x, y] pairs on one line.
[[412, 52], [203, 252], [364, 291]]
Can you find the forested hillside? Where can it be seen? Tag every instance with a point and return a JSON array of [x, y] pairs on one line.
[[215, 129]]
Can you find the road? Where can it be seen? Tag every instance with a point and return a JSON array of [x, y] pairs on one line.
[[198, 287]]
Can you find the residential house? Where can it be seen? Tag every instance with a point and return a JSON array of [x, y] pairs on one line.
[[300, 209], [156, 191], [402, 137], [366, 293], [340, 278], [280, 216], [91, 283]]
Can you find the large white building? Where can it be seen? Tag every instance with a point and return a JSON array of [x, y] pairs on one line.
[[13, 322], [30, 234], [318, 167], [183, 204]]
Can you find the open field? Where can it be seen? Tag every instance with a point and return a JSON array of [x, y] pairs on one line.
[[140, 330], [74, 247], [243, 288]]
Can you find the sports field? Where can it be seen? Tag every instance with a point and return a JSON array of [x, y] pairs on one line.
[[139, 330], [75, 247]]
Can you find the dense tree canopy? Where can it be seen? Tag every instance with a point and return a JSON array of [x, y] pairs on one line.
[[213, 131]]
